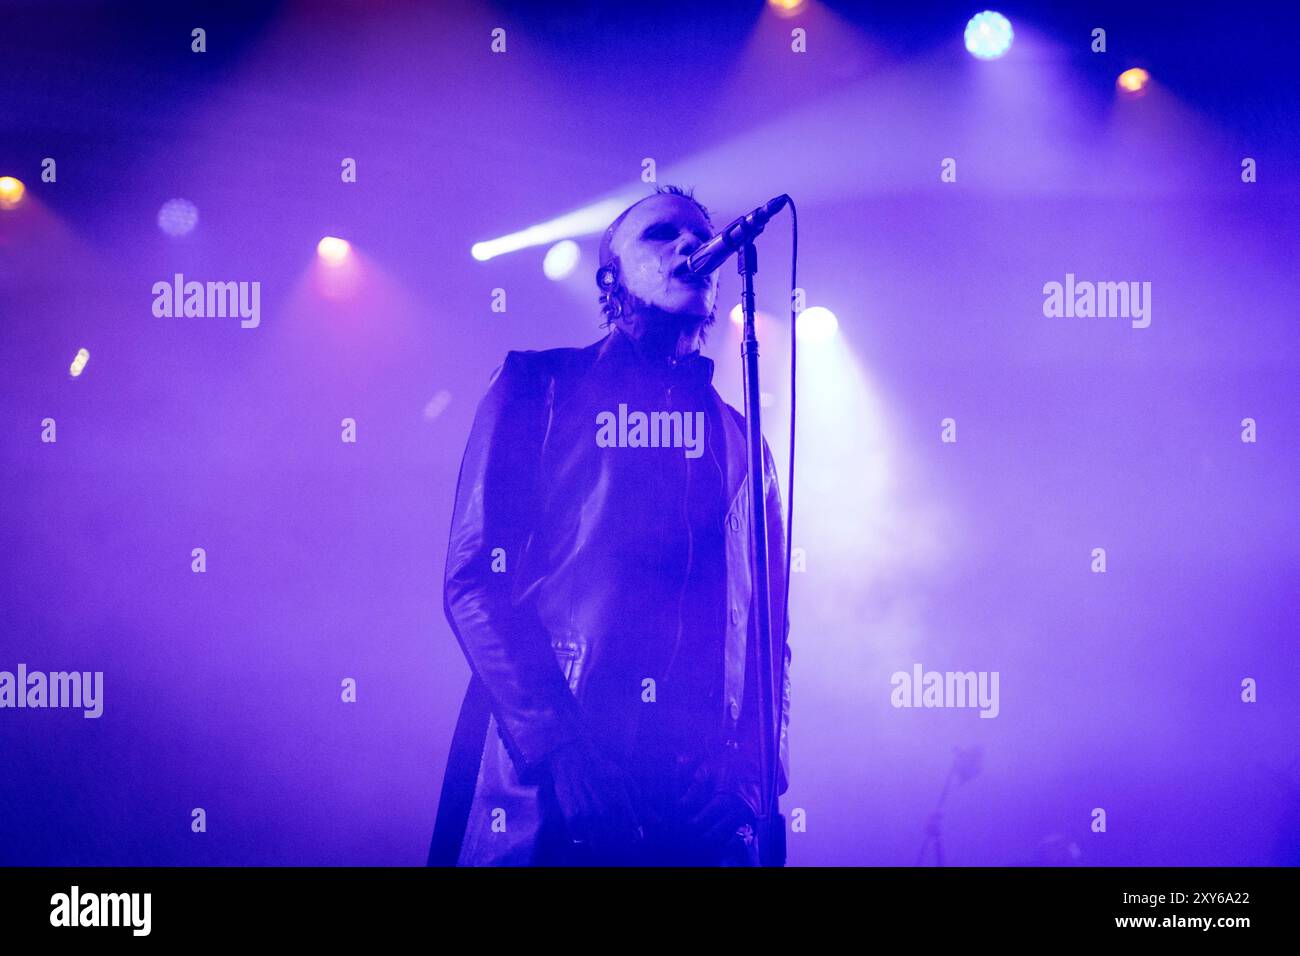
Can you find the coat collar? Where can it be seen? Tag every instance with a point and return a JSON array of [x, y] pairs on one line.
[[694, 368], [618, 347]]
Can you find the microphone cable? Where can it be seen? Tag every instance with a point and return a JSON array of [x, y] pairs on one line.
[[789, 489], [772, 797]]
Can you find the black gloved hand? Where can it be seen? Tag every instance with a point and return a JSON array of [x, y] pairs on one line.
[[596, 798], [715, 804]]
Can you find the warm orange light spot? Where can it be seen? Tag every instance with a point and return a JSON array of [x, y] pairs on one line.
[[11, 192], [787, 8], [1134, 80]]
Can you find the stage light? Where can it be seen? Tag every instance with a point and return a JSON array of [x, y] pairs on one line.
[[584, 222], [1134, 81], [988, 35], [437, 405], [11, 192], [787, 8], [561, 259], [817, 324], [333, 250], [79, 363], [738, 316], [177, 217]]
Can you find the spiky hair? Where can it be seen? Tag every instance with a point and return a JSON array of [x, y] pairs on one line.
[[606, 254]]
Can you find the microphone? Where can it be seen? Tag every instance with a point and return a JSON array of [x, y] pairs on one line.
[[728, 241]]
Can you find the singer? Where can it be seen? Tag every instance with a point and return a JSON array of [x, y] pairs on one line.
[[601, 592]]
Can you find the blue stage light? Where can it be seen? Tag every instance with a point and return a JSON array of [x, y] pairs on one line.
[[561, 259], [988, 35], [178, 217], [817, 324]]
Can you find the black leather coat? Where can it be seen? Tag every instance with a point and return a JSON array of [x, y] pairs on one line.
[[559, 634]]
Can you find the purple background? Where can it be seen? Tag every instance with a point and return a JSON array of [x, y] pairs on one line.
[[325, 559]]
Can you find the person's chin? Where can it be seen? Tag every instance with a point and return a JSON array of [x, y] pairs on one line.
[[686, 309]]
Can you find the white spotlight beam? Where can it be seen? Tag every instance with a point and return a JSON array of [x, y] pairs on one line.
[[581, 222]]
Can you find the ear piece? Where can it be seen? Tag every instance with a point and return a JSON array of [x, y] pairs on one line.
[[607, 276], [611, 297]]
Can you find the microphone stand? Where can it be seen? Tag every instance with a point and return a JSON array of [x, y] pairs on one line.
[[965, 766], [771, 825], [934, 825]]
